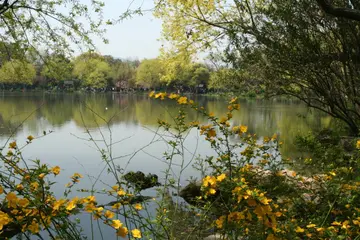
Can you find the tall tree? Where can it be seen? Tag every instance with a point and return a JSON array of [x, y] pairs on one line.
[[57, 68], [149, 73], [300, 50], [92, 70], [17, 72]]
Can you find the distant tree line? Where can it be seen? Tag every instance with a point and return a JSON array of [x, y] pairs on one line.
[[95, 72]]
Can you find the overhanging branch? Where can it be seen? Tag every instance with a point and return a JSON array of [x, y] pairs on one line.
[[348, 13]]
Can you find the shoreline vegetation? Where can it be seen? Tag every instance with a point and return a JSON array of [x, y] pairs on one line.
[[246, 189], [305, 49]]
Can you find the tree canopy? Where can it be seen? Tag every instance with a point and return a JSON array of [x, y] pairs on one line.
[[92, 70], [299, 49], [17, 72]]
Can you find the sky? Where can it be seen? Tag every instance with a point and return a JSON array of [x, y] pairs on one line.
[[136, 37]]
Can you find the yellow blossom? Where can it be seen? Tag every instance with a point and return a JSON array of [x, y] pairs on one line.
[[23, 202], [161, 96], [136, 233], [19, 187], [299, 230], [4, 219], [212, 191], [34, 227], [271, 237], [76, 175], [56, 170], [243, 128], [220, 221], [233, 100], [12, 199], [209, 181], [58, 204], [109, 214], [30, 138], [335, 223], [358, 144], [41, 175], [13, 145], [311, 225], [182, 100], [211, 114], [116, 206], [138, 206], [151, 94], [173, 95], [122, 232], [221, 177], [116, 224], [1, 190], [72, 204], [121, 192]]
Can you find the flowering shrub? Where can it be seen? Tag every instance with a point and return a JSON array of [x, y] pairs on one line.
[[29, 207], [249, 190]]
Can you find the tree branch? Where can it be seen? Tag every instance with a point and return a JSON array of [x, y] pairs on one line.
[[327, 7]]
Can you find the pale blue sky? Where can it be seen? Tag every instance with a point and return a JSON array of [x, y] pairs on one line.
[[133, 38]]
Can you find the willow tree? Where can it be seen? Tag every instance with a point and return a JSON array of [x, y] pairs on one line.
[[302, 48]]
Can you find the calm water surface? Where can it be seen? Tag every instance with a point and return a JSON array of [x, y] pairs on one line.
[[132, 121]]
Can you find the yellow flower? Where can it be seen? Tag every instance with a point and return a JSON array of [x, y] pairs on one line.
[[236, 106], [109, 214], [121, 192], [358, 144], [138, 206], [212, 191], [116, 224], [41, 175], [271, 237], [209, 181], [116, 206], [311, 226], [30, 138], [182, 100], [151, 94], [19, 187], [243, 128], [221, 177], [72, 204], [233, 100], [211, 114], [4, 219], [173, 95], [136, 233], [299, 230], [335, 223], [56, 170], [12, 198], [332, 173], [58, 204], [220, 221], [122, 232], [1, 190], [13, 145], [76, 175], [34, 227], [90, 199], [161, 96], [23, 202], [211, 133]]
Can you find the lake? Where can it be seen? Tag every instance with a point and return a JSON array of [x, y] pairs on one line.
[[128, 123]]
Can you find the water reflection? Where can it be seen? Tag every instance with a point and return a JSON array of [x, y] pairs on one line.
[[48, 111]]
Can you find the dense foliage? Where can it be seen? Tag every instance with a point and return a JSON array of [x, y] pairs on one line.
[[298, 49]]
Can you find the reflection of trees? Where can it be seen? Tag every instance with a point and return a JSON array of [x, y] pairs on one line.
[[14, 110], [87, 110]]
